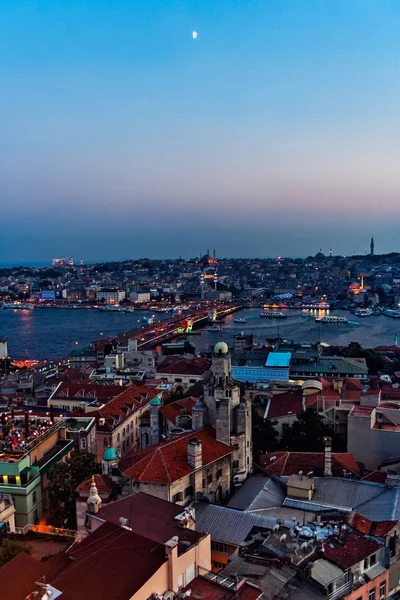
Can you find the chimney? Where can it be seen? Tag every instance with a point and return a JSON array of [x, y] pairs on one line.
[[171, 548], [194, 453], [328, 457]]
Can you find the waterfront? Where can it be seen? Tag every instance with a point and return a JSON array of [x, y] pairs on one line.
[[39, 334]]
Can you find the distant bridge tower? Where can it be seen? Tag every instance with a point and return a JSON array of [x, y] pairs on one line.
[[372, 246]]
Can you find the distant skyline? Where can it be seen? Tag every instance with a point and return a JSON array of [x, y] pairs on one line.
[[276, 131]]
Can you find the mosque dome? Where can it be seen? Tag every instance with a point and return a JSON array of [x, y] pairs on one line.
[[110, 454], [155, 402], [199, 405], [221, 348]]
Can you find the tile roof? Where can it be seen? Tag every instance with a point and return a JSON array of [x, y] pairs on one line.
[[349, 550], [174, 409], [121, 407], [111, 562], [289, 463], [149, 516], [178, 365], [86, 390], [364, 525], [167, 462], [282, 405], [104, 485], [209, 590]]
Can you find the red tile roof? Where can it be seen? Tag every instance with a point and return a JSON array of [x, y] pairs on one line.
[[117, 410], [349, 551], [178, 365], [290, 463], [209, 590], [378, 528], [167, 462], [376, 476], [111, 562], [174, 409], [104, 485], [87, 390], [282, 405]]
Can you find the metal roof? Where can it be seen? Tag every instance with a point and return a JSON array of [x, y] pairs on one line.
[[385, 507], [325, 572], [230, 525], [278, 359], [271, 493]]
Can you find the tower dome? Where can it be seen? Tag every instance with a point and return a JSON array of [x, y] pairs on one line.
[[110, 454], [221, 348], [155, 402]]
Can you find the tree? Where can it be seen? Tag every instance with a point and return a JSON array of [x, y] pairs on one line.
[[64, 478], [10, 548], [264, 435], [307, 433]]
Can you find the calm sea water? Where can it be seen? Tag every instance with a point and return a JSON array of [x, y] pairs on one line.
[[49, 333]]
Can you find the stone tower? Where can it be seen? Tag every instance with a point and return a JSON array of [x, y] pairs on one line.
[[155, 405], [372, 247], [230, 415]]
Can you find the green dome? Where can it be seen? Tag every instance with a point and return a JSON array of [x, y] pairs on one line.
[[110, 454], [221, 348], [155, 402]]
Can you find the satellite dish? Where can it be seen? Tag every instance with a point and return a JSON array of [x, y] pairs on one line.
[[123, 521]]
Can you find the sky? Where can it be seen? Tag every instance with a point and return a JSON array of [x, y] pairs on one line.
[[275, 132]]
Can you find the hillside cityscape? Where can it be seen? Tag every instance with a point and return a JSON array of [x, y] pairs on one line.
[[212, 455]]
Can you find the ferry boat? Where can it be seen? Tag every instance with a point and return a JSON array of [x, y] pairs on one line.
[[17, 306], [272, 315], [240, 320], [395, 314], [332, 320], [364, 312], [215, 329]]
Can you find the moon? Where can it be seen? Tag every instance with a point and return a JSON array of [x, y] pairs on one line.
[[194, 35]]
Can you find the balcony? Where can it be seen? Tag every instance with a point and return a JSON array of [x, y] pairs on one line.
[[340, 592]]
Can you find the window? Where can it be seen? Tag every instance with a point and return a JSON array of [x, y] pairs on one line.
[[190, 574], [209, 478], [223, 548], [218, 565], [105, 442], [188, 491], [83, 443], [178, 497], [180, 581], [382, 589], [178, 380], [192, 381], [235, 464], [219, 473], [203, 483], [372, 560], [34, 498], [371, 595]]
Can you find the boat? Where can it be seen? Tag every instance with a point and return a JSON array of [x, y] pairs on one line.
[[17, 306], [328, 319], [353, 323], [364, 312], [395, 314], [112, 308], [184, 347], [272, 315], [240, 320], [213, 329]]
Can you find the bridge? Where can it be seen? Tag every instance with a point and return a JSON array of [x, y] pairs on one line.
[[158, 333]]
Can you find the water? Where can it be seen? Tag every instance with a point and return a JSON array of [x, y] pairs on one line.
[[52, 333], [372, 331]]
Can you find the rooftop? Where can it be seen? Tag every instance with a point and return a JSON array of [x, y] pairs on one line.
[[167, 462], [289, 463], [178, 365], [278, 359], [349, 550], [149, 516]]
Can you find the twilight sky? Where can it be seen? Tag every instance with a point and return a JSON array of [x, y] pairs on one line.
[[276, 131]]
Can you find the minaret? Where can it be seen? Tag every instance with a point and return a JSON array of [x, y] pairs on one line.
[[94, 500], [372, 246], [155, 405]]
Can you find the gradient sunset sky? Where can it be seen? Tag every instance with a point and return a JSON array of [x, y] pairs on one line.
[[276, 131]]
